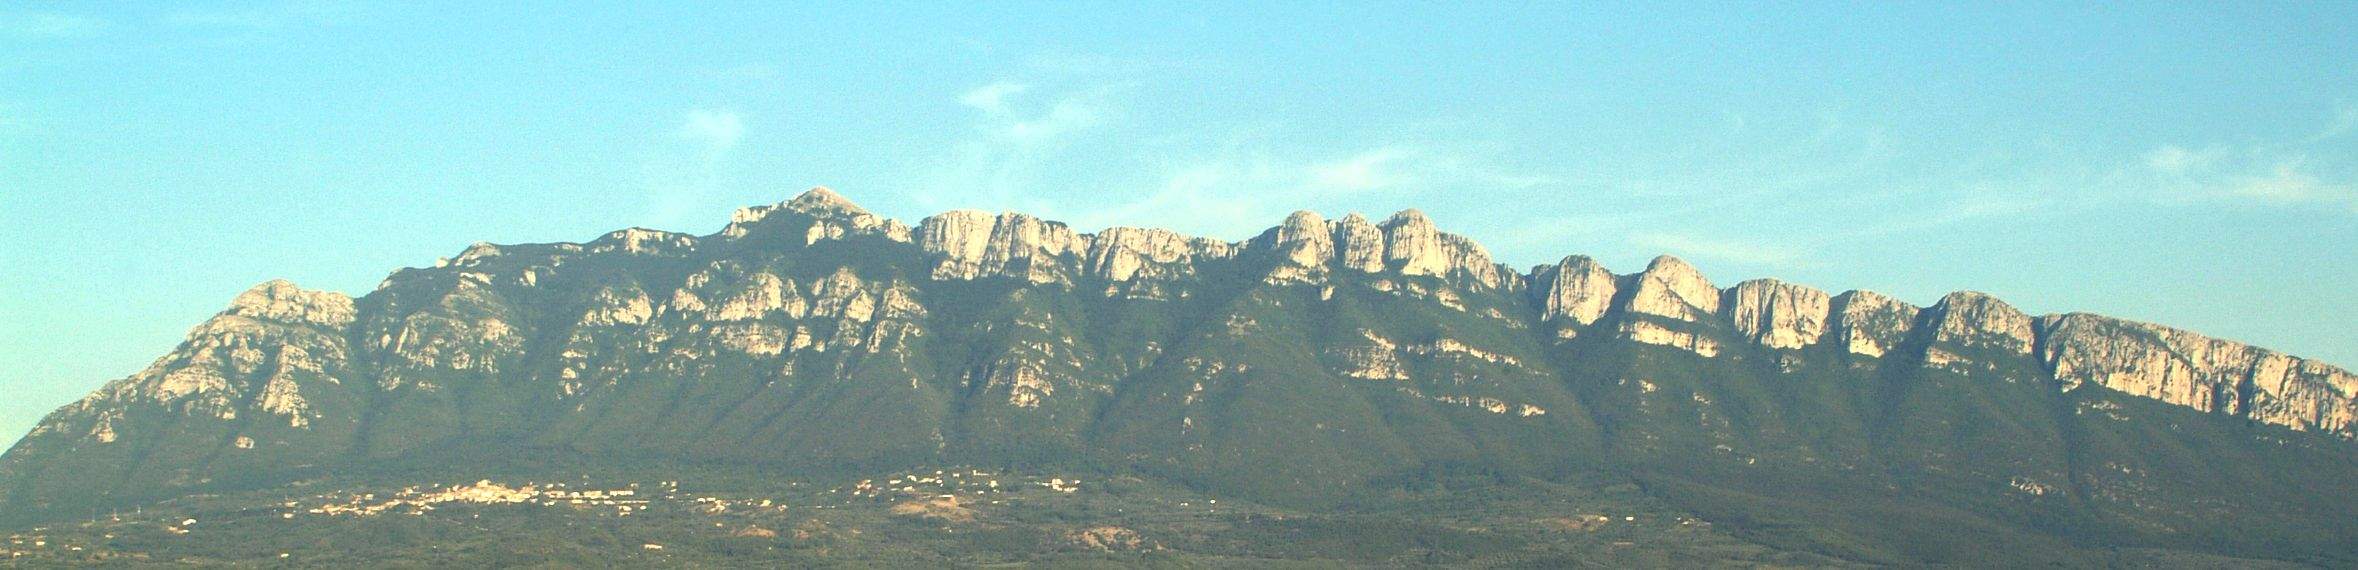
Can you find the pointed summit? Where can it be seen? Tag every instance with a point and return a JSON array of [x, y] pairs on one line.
[[1671, 288], [1979, 318], [1304, 221], [1577, 288], [280, 300], [1360, 243], [819, 200], [1411, 217]]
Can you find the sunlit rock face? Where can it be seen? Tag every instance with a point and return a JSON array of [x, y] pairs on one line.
[[1126, 254], [814, 330], [1417, 247], [1302, 246], [642, 241], [270, 380], [1973, 318], [1577, 289], [972, 244], [1778, 314], [1654, 333], [280, 300], [1870, 324], [2191, 370], [1672, 289], [831, 217], [1360, 243], [1308, 248]]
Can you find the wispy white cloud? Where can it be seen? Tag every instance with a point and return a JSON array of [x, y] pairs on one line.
[[681, 176], [992, 98], [2345, 121], [1066, 116], [2288, 183], [1013, 140], [2256, 175], [45, 26], [716, 130], [2178, 161], [1197, 198], [1370, 170]]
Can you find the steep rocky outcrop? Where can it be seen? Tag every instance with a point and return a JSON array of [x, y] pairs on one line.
[[2198, 372], [1577, 289], [1671, 289], [1869, 324], [1776, 314]]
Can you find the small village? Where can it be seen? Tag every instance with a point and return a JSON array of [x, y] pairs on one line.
[[894, 493]]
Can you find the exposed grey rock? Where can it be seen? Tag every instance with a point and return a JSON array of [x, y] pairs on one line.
[[1576, 289], [1361, 244], [1417, 247], [2199, 372], [1974, 318], [1671, 288], [1778, 314], [1870, 324]]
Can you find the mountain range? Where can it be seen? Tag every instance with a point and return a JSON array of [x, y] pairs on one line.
[[1324, 366]]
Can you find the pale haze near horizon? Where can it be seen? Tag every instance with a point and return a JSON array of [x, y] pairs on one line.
[[2191, 165]]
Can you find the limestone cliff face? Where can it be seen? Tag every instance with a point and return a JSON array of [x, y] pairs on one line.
[[1577, 289], [267, 382], [1776, 314], [642, 241], [804, 317], [1672, 289], [1303, 247], [252, 360], [2191, 370], [1142, 263], [834, 218], [1417, 247], [1973, 318], [1308, 248], [1869, 324], [1361, 244]]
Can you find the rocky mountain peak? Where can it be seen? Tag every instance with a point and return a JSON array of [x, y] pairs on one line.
[[827, 336], [1303, 222], [1411, 217], [821, 201], [1869, 323], [837, 215], [642, 241], [1577, 288], [1777, 314], [1360, 243], [1972, 317], [1671, 288], [970, 244], [280, 300]]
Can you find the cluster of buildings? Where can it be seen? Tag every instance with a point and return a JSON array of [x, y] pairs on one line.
[[419, 501], [917, 483]]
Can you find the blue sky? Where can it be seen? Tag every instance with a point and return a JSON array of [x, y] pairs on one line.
[[2187, 163]]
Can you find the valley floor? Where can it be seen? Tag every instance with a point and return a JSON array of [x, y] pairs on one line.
[[932, 518]]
